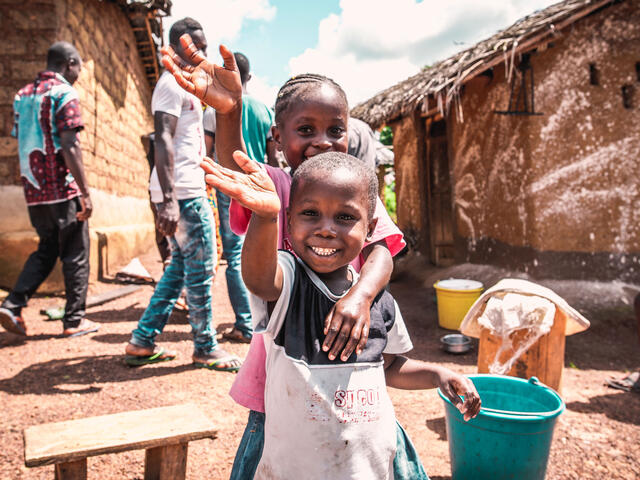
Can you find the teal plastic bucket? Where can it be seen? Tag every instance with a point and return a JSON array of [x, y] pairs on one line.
[[511, 436]]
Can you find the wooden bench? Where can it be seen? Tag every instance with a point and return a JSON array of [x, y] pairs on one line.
[[164, 432]]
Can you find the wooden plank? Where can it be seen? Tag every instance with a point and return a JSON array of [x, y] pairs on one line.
[[76, 470], [166, 463], [544, 359], [76, 439]]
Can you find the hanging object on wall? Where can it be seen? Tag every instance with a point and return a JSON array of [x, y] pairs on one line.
[[521, 96]]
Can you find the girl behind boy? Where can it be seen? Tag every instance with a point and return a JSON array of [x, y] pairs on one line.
[[325, 419], [311, 118]]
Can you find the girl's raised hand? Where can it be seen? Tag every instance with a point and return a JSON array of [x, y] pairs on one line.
[[253, 189], [218, 87]]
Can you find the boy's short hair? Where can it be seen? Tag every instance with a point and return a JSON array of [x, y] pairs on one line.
[[182, 26], [243, 66], [329, 162]]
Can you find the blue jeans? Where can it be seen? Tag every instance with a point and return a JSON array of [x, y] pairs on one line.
[[406, 464], [193, 251], [232, 248]]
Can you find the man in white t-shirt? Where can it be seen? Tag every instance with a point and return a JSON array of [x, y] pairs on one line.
[[178, 191]]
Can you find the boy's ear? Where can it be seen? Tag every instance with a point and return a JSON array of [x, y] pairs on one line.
[[371, 228], [275, 133], [288, 219]]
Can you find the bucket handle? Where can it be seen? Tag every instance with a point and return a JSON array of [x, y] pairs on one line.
[[515, 414], [532, 381]]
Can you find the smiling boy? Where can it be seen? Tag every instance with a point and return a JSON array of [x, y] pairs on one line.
[[324, 418]]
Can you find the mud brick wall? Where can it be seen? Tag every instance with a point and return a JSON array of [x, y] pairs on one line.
[[114, 93], [115, 99], [557, 193]]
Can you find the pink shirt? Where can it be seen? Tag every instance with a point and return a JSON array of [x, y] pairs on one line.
[[248, 387]]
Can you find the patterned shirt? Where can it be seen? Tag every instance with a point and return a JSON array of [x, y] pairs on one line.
[[42, 110]]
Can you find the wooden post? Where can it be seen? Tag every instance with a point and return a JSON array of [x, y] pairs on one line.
[[76, 470], [166, 463], [544, 359]]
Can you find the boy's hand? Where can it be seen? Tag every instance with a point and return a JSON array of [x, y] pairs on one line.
[[347, 325], [218, 87], [253, 189], [453, 386]]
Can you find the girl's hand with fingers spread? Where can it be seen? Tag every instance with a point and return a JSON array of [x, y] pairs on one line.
[[252, 188], [218, 87]]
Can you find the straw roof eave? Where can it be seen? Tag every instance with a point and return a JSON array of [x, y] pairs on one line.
[[435, 88]]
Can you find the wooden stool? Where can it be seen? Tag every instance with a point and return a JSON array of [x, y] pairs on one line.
[[544, 359], [164, 432]]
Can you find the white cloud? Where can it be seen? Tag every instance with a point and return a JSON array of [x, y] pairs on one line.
[[262, 90], [220, 19], [374, 44]]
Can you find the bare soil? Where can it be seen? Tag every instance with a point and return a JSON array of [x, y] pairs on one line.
[[47, 378]]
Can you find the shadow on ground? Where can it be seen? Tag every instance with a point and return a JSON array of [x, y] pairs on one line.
[[619, 406], [123, 338], [81, 375], [439, 426]]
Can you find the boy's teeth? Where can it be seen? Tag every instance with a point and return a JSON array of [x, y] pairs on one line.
[[323, 251]]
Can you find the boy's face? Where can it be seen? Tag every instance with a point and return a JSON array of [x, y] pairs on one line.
[[316, 125], [328, 220]]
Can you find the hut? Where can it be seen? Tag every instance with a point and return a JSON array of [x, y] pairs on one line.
[[523, 151], [118, 41]]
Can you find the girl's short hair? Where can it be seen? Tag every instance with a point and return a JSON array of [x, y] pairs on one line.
[[297, 88], [327, 163]]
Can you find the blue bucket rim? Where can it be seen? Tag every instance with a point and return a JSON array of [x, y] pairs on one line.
[[519, 416]]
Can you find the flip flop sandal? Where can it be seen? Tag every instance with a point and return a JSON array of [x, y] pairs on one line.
[[90, 327], [235, 335], [161, 355], [213, 365], [630, 383], [12, 323]]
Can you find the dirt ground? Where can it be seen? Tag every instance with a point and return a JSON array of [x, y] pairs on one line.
[[47, 378]]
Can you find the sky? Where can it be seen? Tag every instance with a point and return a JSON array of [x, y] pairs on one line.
[[365, 45]]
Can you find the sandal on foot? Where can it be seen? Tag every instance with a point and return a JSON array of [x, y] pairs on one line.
[[84, 327], [630, 383], [235, 335], [213, 364], [12, 323], [181, 305], [161, 355]]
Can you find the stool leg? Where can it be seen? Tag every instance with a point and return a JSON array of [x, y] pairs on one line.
[[166, 463], [71, 470]]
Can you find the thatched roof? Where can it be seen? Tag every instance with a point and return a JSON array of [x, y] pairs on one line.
[[436, 89], [145, 17]]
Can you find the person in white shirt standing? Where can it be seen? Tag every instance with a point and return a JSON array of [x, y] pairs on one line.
[[178, 191]]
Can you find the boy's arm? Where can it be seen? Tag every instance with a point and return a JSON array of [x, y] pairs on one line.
[[408, 374], [347, 325], [254, 190], [218, 87]]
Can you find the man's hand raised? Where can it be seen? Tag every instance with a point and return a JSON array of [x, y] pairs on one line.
[[218, 87]]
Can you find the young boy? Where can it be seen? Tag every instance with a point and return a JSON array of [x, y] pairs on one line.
[[324, 418]]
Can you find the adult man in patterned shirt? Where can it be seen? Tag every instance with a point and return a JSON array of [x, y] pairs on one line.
[[47, 120]]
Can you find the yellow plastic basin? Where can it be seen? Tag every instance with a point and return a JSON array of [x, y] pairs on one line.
[[455, 297]]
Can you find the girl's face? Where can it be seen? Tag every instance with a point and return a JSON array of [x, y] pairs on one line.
[[316, 125]]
